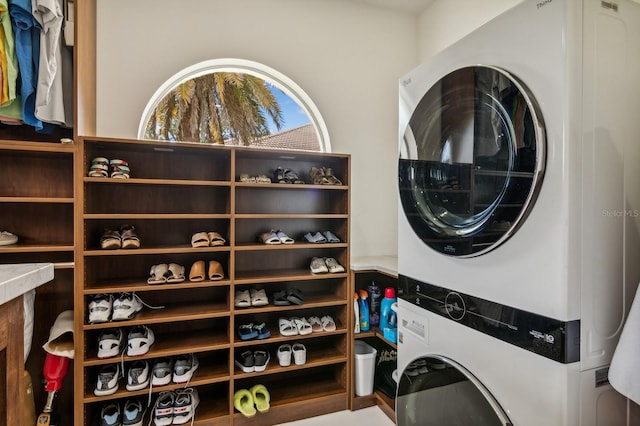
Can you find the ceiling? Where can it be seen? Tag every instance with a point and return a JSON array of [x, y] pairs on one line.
[[414, 7]]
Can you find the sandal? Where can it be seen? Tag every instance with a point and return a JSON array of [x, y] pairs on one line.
[[284, 238], [278, 175], [263, 331], [316, 324], [247, 332], [269, 238], [129, 238], [215, 239], [243, 402], [216, 273], [302, 325], [333, 180], [318, 177], [295, 296], [174, 273], [157, 274], [291, 177], [200, 239], [280, 298], [316, 238], [242, 299], [197, 271], [110, 240], [261, 398], [328, 324], [287, 327], [259, 297], [263, 179], [247, 179]]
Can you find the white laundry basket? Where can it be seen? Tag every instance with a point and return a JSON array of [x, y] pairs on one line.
[[365, 369]]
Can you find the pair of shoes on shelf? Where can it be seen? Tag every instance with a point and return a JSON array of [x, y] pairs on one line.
[[288, 297], [197, 272], [286, 352], [130, 414], [321, 237], [253, 361], [253, 297], [294, 326], [207, 239], [282, 175], [320, 265], [125, 238], [104, 168], [246, 178], [320, 324], [275, 237], [323, 176], [177, 370], [104, 307], [166, 273], [175, 407], [111, 341], [7, 238], [253, 331], [248, 401]]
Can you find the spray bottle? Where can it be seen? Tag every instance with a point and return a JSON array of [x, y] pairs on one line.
[[356, 310], [364, 311]]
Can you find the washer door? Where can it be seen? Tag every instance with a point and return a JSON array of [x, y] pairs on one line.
[[471, 161], [435, 390]]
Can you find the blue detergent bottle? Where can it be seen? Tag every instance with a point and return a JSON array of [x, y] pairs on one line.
[[364, 311], [388, 323]]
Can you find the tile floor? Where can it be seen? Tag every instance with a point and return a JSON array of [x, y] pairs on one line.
[[371, 416]]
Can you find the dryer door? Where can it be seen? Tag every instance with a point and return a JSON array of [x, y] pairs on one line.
[[471, 161], [435, 390]]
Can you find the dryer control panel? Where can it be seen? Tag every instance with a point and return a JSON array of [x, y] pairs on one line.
[[554, 339]]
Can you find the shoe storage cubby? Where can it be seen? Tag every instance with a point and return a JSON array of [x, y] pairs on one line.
[[37, 204], [176, 190]]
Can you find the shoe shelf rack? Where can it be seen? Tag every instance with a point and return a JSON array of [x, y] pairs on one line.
[[361, 278], [174, 191], [37, 204]]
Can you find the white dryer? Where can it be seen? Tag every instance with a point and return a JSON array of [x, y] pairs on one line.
[[519, 169], [519, 224]]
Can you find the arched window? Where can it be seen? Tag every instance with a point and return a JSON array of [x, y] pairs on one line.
[[234, 102]]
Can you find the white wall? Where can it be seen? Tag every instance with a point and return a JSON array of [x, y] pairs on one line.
[[346, 56], [446, 21]]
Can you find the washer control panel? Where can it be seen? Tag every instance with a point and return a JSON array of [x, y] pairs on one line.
[[548, 337]]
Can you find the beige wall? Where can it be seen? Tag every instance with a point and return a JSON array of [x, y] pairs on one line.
[[347, 57]]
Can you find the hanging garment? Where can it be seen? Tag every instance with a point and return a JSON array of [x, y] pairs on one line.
[[49, 92], [26, 31], [11, 108]]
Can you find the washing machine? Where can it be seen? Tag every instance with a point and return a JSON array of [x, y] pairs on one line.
[[519, 187]]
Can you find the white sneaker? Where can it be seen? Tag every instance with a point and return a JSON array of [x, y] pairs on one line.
[[138, 375], [184, 406], [184, 367], [140, 340], [161, 372], [110, 343], [163, 409], [100, 308], [126, 306], [107, 383]]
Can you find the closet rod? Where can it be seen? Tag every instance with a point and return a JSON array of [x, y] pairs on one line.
[[64, 265]]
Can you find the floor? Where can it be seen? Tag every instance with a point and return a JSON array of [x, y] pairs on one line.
[[373, 416]]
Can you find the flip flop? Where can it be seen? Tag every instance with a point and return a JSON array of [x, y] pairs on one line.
[[157, 274], [175, 273], [216, 273], [261, 398], [215, 239], [200, 239], [243, 402], [247, 332], [263, 331], [197, 271]]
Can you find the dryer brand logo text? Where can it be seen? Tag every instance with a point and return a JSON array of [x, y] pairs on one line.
[[544, 336], [543, 3]]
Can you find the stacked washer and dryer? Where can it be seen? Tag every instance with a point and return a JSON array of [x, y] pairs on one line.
[[519, 226]]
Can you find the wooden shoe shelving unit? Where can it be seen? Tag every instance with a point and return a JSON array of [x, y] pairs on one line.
[[174, 191]]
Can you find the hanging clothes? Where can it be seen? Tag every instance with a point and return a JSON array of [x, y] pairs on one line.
[[27, 42], [49, 90], [10, 108]]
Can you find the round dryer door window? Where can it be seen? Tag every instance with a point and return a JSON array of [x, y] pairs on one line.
[[471, 161], [434, 390]]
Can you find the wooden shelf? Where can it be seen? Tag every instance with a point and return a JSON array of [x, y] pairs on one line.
[[134, 181], [42, 200], [141, 286]]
